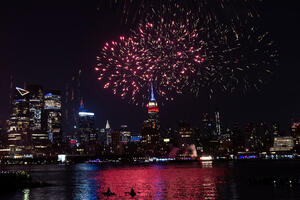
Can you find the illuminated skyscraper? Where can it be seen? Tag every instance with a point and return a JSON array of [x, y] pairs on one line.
[[186, 134], [108, 133], [150, 129], [52, 116], [86, 126], [39, 138], [218, 123], [72, 98], [153, 107], [18, 136], [125, 134]]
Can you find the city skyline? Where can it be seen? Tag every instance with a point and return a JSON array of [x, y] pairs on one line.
[[149, 99], [45, 60]]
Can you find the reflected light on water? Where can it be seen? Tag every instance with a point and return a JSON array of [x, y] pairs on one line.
[[227, 181], [206, 164], [150, 182], [26, 193]]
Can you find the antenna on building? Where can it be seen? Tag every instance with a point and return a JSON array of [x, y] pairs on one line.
[[152, 93], [107, 126], [81, 103]]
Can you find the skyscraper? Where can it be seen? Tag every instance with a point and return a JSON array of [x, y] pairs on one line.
[[251, 142], [186, 134], [52, 116], [153, 107], [207, 127], [238, 138], [39, 138], [125, 134], [117, 147], [218, 123], [150, 129], [275, 129], [86, 127], [18, 137], [108, 133]]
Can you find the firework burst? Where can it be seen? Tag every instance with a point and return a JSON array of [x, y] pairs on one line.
[[167, 58], [236, 62], [188, 46]]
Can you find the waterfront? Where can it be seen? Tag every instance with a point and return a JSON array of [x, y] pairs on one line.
[[227, 180]]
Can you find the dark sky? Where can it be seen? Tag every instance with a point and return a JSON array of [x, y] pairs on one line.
[[41, 42]]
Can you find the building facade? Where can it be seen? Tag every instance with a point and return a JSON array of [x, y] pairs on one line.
[[18, 135], [39, 138], [52, 117]]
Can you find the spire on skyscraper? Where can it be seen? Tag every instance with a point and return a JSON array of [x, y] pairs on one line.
[[81, 103], [152, 93], [107, 126], [152, 105], [81, 108]]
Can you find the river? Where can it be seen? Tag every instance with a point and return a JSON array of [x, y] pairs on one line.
[[223, 180]]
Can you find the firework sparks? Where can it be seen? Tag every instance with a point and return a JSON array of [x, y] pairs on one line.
[[192, 46], [167, 58]]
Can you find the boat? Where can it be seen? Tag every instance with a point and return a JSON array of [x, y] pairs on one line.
[[108, 193]]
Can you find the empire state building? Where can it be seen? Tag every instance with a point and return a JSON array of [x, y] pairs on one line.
[[152, 106], [150, 129]]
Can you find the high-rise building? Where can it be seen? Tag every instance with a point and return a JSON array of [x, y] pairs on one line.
[[251, 143], [125, 134], [150, 137], [116, 142], [238, 138], [153, 107], [86, 132], [39, 138], [218, 123], [186, 134], [52, 117], [108, 133], [150, 129], [186, 140], [72, 100], [18, 136], [295, 132], [207, 127], [275, 129], [225, 142], [264, 137]]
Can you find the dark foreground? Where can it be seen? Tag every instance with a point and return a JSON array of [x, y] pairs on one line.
[[227, 180]]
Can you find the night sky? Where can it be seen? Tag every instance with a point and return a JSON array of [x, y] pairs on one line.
[[41, 42]]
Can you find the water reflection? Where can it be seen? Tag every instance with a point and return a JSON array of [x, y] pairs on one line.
[[26, 193], [206, 164], [181, 181], [85, 186], [150, 182]]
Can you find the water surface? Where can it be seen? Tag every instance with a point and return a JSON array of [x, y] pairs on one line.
[[228, 180]]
